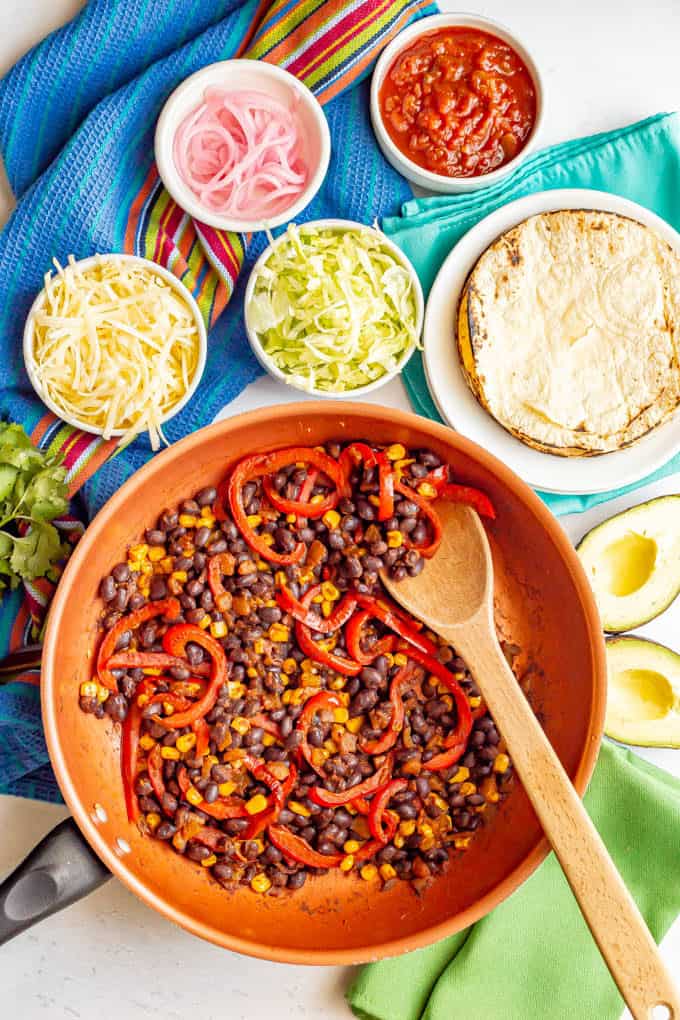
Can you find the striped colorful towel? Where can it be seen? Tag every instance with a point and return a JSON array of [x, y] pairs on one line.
[[77, 117]]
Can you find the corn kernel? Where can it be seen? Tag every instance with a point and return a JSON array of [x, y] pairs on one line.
[[166, 564], [501, 764], [440, 802], [266, 539], [474, 702], [318, 498], [425, 829], [387, 871], [156, 553], [259, 646], [351, 846], [153, 820], [185, 742], [427, 489], [205, 622], [268, 739], [400, 659], [318, 599], [337, 683], [168, 709], [395, 539], [208, 862], [280, 579], [467, 789], [278, 632], [88, 689], [427, 842], [193, 796], [170, 753], [319, 756], [134, 566], [254, 520], [355, 724], [399, 841], [251, 672], [211, 759], [490, 790], [138, 552], [179, 842], [331, 519], [329, 591], [146, 568], [347, 863], [291, 518], [218, 628], [261, 883], [407, 828], [326, 608], [461, 842], [187, 521], [289, 666], [179, 575], [395, 452], [151, 671], [143, 699], [461, 775], [256, 804], [240, 724], [369, 872], [207, 519], [146, 742], [299, 809], [287, 697], [374, 500]]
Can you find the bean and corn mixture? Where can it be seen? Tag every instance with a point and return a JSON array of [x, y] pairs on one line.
[[280, 715]]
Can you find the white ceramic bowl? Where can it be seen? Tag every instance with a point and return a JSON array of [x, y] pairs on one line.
[[417, 174], [459, 407], [182, 293], [266, 361], [239, 75]]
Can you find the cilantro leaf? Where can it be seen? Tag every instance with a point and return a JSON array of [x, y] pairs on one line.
[[45, 494], [34, 553]]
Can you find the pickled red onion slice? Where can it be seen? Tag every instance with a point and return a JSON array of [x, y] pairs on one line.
[[241, 154]]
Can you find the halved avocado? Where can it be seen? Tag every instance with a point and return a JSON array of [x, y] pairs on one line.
[[633, 563], [643, 697]]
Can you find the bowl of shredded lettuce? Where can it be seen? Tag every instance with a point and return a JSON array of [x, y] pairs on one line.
[[332, 308]]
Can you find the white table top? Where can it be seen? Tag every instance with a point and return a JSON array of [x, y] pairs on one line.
[[109, 957]]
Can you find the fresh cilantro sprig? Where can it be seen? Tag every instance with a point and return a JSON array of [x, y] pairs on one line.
[[32, 493]]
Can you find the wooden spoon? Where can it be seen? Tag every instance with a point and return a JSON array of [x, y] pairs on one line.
[[453, 595]]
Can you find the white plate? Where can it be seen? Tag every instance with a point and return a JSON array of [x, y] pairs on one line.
[[458, 406]]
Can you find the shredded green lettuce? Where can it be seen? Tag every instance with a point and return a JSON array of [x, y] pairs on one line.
[[333, 309]]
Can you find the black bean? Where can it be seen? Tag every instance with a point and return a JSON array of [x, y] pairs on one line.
[[206, 497], [120, 599], [415, 568], [326, 847], [158, 588], [116, 707], [165, 831], [218, 545], [154, 536], [121, 572], [201, 536], [297, 880], [124, 640], [419, 534], [235, 826], [269, 614], [107, 588], [211, 793]]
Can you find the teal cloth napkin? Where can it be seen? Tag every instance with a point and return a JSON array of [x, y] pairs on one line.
[[640, 162]]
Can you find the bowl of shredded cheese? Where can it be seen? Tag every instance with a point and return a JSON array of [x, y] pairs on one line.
[[333, 308], [115, 345]]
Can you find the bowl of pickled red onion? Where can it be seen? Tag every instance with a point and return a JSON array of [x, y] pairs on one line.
[[242, 145]]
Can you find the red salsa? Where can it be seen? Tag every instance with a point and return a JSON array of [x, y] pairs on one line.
[[458, 102]]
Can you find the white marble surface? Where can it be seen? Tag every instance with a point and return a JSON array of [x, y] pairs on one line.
[[111, 958]]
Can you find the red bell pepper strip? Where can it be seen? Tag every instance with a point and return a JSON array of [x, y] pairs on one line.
[[245, 471], [175, 641], [324, 699], [405, 627], [457, 740], [385, 487], [428, 511], [372, 846], [379, 805], [211, 837], [339, 663], [169, 608], [354, 634], [467, 494], [389, 738], [351, 457], [298, 849], [154, 766], [327, 798], [266, 724], [202, 731], [444, 760], [361, 805], [301, 506], [152, 660], [224, 563], [128, 760], [221, 501], [437, 478], [299, 609]]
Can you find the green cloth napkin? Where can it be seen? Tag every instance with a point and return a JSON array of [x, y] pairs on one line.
[[640, 162], [533, 957]]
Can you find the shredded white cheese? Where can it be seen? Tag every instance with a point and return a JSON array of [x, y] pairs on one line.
[[114, 346]]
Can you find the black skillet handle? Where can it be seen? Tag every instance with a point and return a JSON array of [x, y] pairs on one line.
[[58, 871]]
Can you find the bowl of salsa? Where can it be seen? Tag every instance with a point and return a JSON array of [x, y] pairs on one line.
[[456, 102]]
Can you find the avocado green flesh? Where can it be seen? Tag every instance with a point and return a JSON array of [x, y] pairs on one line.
[[643, 699], [633, 563]]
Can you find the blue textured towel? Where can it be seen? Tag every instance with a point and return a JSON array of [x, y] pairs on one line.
[[77, 116]]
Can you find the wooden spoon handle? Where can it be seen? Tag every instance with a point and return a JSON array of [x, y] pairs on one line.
[[608, 908]]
